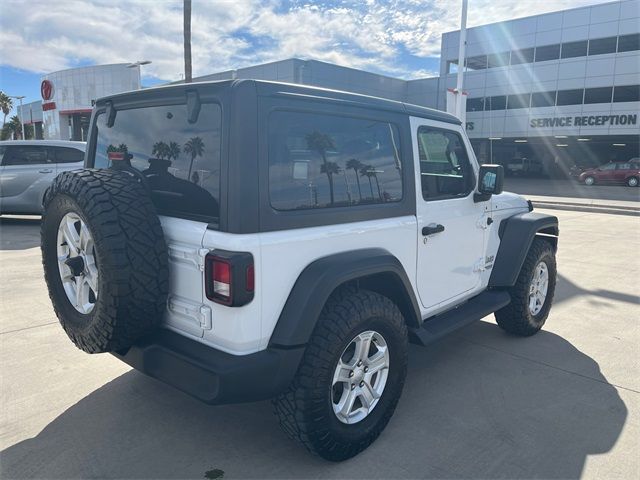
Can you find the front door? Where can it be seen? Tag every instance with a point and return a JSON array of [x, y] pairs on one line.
[[451, 225]]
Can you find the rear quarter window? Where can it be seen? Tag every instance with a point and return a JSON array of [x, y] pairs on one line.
[[68, 155], [323, 161], [180, 160]]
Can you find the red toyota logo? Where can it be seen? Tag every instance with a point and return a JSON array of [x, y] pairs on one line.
[[46, 90]]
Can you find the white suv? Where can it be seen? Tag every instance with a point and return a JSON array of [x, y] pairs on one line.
[[244, 240]]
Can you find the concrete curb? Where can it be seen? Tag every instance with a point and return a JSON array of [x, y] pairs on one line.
[[582, 207]]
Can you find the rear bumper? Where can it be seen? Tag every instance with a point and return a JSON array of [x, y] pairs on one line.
[[210, 375]]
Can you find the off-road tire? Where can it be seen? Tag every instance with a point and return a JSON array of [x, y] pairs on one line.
[[130, 251], [516, 318], [305, 411], [632, 181]]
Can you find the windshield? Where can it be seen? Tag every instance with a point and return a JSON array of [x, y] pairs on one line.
[[180, 160]]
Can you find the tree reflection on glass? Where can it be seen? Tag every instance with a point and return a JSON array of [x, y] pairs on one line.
[[321, 143], [356, 165], [195, 148]]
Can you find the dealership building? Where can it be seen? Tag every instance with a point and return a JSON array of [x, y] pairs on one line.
[[543, 92], [68, 95]]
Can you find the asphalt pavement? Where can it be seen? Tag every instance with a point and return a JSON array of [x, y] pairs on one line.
[[479, 404]]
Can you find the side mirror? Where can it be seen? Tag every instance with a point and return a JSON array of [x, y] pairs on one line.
[[490, 182]]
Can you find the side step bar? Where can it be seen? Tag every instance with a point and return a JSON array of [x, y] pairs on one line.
[[480, 306]]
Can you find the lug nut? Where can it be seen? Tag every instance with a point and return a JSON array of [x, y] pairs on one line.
[[351, 373], [360, 363], [366, 369], [362, 384], [352, 386]]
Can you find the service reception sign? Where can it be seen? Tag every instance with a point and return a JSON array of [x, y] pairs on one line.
[[584, 121]]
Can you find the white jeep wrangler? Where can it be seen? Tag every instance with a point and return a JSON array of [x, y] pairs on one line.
[[245, 240]]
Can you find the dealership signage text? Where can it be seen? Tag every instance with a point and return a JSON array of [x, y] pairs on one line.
[[584, 121]]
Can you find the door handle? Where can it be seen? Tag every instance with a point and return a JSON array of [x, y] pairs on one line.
[[431, 229], [46, 170]]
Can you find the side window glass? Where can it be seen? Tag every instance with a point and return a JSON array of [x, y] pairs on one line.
[[25, 155], [68, 155], [2, 152], [322, 161], [445, 170]]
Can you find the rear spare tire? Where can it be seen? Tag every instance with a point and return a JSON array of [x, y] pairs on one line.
[[105, 258]]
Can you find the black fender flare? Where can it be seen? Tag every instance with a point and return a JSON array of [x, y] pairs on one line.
[[516, 236], [375, 268]]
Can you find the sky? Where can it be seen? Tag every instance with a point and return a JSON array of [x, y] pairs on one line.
[[400, 38]]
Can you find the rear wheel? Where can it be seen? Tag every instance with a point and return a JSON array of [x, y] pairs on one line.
[[589, 181], [532, 295], [632, 181], [351, 377]]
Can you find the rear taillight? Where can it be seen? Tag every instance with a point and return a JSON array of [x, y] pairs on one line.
[[229, 277]]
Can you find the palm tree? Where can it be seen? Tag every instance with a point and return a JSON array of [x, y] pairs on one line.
[[173, 151], [368, 171], [187, 40], [320, 143], [6, 104], [330, 169], [13, 128], [160, 150], [355, 166], [195, 148]]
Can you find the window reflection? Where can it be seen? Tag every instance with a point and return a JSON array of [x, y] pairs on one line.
[[180, 161], [318, 161]]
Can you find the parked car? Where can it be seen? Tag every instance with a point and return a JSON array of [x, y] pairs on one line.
[[524, 166], [623, 173], [27, 168], [246, 240]]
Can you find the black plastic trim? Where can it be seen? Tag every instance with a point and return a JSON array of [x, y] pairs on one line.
[[471, 311], [373, 268], [210, 375], [516, 235]]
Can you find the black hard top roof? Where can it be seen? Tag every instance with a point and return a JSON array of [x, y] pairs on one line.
[[269, 88]]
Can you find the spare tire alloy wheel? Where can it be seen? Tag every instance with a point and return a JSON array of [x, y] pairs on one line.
[[360, 377], [77, 263], [105, 258]]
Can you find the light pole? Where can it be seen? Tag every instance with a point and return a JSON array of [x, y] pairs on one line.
[[20, 97], [139, 63]]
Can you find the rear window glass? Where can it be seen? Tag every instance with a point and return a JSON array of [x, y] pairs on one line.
[[180, 160], [68, 155], [320, 161]]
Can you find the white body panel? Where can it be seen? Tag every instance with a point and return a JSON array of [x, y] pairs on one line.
[[444, 272]]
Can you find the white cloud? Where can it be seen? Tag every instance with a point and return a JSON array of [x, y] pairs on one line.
[[384, 36]]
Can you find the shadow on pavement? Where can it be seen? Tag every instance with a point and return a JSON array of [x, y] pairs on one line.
[[19, 233], [566, 289], [468, 410]]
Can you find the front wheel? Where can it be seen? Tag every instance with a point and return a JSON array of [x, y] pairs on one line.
[[589, 181], [351, 377], [532, 295]]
